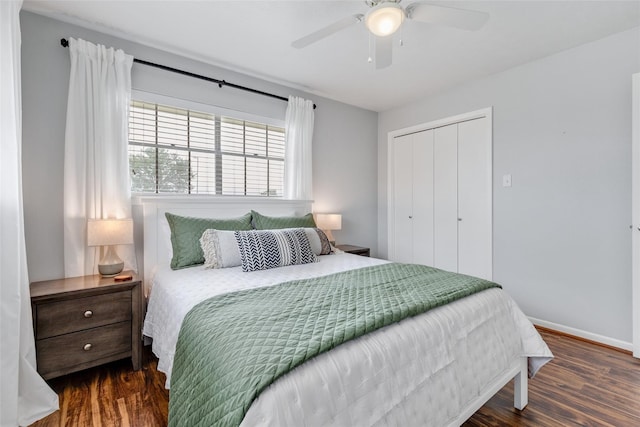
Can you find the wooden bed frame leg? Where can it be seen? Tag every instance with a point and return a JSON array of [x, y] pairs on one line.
[[521, 386]]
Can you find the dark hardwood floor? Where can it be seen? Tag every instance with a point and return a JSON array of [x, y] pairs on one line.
[[585, 385]]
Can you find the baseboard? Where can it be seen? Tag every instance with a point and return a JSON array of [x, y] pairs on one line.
[[588, 336]]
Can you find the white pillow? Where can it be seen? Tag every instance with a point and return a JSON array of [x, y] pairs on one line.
[[319, 242], [220, 249]]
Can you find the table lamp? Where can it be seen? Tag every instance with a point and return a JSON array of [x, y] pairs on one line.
[[329, 222], [110, 232]]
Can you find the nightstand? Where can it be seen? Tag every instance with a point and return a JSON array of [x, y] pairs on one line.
[[356, 250], [81, 322]]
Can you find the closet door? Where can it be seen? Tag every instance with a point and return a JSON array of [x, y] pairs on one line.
[[445, 197], [441, 196], [474, 198], [403, 198], [423, 198]]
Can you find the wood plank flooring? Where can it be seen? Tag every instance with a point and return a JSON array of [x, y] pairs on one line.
[[585, 385]]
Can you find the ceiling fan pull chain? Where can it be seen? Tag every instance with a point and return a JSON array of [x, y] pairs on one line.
[[369, 59]]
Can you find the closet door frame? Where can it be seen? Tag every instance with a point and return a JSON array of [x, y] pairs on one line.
[[477, 114], [635, 214]]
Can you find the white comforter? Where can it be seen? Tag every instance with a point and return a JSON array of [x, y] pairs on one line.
[[421, 371]]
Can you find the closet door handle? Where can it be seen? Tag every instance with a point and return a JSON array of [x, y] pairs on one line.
[[410, 217], [459, 219]]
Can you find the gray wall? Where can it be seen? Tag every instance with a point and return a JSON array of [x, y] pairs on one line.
[[562, 128], [345, 137]]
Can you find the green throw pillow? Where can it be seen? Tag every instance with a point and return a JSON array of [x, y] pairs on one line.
[[186, 233], [263, 222]]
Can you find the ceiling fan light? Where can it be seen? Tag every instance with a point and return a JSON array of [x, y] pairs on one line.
[[384, 19]]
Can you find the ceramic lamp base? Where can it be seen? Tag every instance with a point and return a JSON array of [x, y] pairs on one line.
[[111, 264], [110, 270], [329, 235]]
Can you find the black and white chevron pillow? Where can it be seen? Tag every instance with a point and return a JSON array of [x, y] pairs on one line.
[[264, 249]]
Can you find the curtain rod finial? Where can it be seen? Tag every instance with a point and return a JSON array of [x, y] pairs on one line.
[[64, 42]]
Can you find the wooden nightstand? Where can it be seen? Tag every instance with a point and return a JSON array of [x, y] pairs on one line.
[[81, 322], [356, 250]]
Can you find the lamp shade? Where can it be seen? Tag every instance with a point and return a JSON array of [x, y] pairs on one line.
[[384, 19], [106, 232], [329, 221]]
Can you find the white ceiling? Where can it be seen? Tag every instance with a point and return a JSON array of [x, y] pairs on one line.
[[255, 37]]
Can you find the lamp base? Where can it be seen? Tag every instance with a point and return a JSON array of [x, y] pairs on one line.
[[110, 270], [329, 235], [111, 264]]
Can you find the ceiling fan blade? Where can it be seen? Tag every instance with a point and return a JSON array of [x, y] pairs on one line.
[[384, 51], [458, 18], [327, 31]]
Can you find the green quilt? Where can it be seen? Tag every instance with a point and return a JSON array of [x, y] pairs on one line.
[[232, 346]]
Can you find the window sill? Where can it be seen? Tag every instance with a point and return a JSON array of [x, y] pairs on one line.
[[142, 198]]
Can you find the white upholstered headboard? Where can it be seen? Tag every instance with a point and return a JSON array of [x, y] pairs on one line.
[[157, 242]]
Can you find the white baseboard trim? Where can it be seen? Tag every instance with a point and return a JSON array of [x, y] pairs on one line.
[[583, 334]]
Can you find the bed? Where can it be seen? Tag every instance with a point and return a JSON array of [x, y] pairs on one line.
[[435, 368]]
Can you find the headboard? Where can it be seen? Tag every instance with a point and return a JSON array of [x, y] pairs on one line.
[[157, 243]]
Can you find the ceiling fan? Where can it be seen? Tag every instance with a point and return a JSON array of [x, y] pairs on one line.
[[386, 16]]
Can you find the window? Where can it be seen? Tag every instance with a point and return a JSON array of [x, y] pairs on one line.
[[178, 150]]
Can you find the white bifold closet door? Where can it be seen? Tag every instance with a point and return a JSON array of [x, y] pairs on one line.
[[422, 238], [403, 191], [475, 255], [413, 187], [445, 179], [442, 198]]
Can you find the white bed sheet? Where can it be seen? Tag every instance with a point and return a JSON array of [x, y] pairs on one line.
[[175, 292], [421, 371]]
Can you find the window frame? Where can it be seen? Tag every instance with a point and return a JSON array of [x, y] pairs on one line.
[[169, 101]]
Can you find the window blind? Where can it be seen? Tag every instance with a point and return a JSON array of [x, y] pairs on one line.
[[177, 150]]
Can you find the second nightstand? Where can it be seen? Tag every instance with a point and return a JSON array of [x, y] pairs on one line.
[[356, 250], [81, 322]]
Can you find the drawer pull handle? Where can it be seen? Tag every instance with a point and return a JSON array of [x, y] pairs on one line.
[[87, 347], [88, 313]]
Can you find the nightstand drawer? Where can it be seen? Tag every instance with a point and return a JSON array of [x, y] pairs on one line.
[[68, 351], [61, 317]]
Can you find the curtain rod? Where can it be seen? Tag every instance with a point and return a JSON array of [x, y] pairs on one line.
[[220, 83]]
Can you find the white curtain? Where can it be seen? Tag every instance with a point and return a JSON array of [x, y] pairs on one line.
[[298, 153], [25, 397], [96, 165]]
